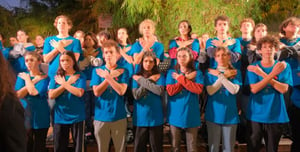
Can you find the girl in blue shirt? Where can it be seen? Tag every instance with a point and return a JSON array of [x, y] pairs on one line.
[[266, 112], [184, 84], [221, 113], [148, 110], [67, 88], [32, 87]]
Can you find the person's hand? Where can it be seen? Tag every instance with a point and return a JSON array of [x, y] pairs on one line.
[[57, 45], [60, 80], [217, 43], [24, 76], [100, 72], [154, 77], [147, 44], [278, 68], [175, 75], [229, 42], [191, 75], [214, 72], [252, 47], [116, 73], [38, 78], [256, 69], [136, 77], [230, 73], [73, 78]]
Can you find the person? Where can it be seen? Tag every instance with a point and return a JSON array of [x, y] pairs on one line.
[[223, 39], [125, 46], [91, 59], [67, 88], [202, 40], [289, 52], [12, 128], [54, 46], [12, 41], [79, 35], [148, 42], [147, 88], [266, 112], [260, 30], [183, 85], [39, 44], [221, 114], [109, 83], [16, 55], [184, 40], [32, 89]]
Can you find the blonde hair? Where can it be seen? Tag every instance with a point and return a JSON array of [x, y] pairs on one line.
[[144, 22]]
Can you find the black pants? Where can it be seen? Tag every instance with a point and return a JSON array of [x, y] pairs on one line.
[[270, 132], [295, 124], [152, 134], [61, 136], [36, 141]]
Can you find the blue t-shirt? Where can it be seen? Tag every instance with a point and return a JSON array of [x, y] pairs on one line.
[[148, 110], [267, 105], [68, 108], [183, 108], [6, 51], [89, 69], [18, 64], [235, 48], [129, 52], [221, 107], [38, 104], [157, 48], [74, 47], [294, 62], [195, 47], [109, 106]]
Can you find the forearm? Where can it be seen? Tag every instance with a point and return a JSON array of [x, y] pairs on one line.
[[73, 90], [99, 89], [22, 92], [235, 57], [212, 89], [50, 56], [190, 85], [128, 58], [54, 93], [139, 92], [231, 87], [31, 88], [151, 86], [173, 89], [279, 86], [119, 88], [138, 57], [261, 84]]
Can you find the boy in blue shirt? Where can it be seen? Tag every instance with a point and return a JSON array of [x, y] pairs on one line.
[[266, 112], [109, 84]]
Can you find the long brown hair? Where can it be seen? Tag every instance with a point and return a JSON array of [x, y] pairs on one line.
[[61, 71], [7, 79], [154, 70], [190, 65]]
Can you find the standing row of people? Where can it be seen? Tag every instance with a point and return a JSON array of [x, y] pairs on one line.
[[81, 72]]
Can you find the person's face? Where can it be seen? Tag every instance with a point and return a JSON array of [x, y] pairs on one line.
[[183, 58], [62, 25], [22, 37], [148, 63], [267, 50], [222, 27], [147, 29], [66, 62], [222, 58], [110, 55], [13, 41], [246, 27], [88, 42], [31, 62], [80, 37], [39, 40], [101, 40], [184, 28], [260, 32], [122, 35], [291, 28]]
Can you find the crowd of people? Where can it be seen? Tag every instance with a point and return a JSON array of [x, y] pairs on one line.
[[244, 88]]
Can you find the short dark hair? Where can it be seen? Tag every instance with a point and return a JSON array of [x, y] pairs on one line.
[[268, 39], [104, 33], [110, 43], [222, 18]]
